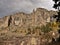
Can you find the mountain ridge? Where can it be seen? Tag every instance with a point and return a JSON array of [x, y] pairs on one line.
[[43, 13], [26, 28]]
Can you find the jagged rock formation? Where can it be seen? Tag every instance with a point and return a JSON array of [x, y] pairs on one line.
[[4, 22], [36, 18], [20, 24]]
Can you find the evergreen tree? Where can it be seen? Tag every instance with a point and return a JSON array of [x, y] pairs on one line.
[[57, 6]]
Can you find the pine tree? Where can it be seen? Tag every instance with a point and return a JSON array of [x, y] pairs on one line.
[[57, 6]]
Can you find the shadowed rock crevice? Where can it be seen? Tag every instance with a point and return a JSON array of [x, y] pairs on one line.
[[9, 21]]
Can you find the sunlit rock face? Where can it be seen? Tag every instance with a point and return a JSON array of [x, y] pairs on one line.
[[14, 28], [4, 21], [36, 18]]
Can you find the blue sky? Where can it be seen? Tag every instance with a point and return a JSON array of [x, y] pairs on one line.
[[8, 7]]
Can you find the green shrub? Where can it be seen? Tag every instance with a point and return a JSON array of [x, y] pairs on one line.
[[46, 28]]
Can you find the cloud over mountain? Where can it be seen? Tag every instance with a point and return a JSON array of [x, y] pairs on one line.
[[11, 6]]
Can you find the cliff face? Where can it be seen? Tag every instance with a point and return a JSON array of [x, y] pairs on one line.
[[36, 18], [15, 29]]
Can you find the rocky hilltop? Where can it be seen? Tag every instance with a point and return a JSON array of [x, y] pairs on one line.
[[24, 29], [36, 18]]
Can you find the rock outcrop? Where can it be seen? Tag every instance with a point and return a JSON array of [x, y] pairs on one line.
[[36, 18], [18, 25]]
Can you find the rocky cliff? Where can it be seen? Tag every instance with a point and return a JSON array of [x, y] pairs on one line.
[[23, 27], [19, 22], [36, 18]]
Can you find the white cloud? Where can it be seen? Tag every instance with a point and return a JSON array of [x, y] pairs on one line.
[[10, 6]]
